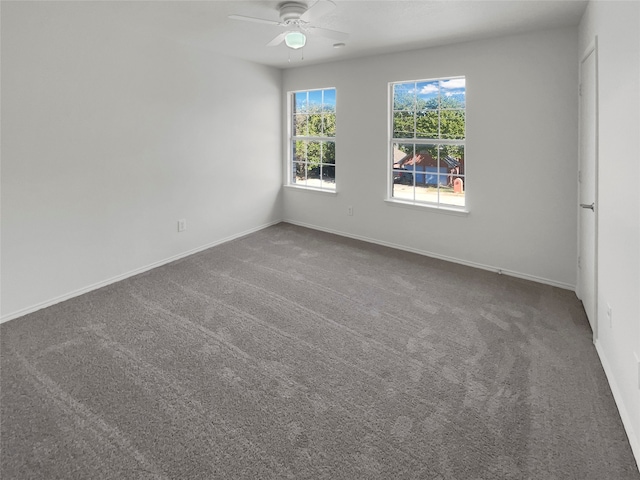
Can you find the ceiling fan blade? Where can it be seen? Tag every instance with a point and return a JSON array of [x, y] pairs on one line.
[[277, 41], [325, 32], [317, 10], [254, 19]]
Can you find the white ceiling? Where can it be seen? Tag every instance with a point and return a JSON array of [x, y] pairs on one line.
[[374, 26]]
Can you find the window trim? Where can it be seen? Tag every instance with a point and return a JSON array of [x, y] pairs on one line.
[[445, 209], [291, 138], [391, 141]]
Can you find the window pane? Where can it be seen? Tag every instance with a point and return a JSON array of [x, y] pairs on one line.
[[403, 177], [299, 173], [403, 125], [428, 94], [427, 193], [300, 125], [315, 99], [452, 124], [300, 151], [452, 163], [300, 102], [313, 176], [450, 196], [403, 192], [453, 151], [426, 165], [403, 171], [329, 100], [314, 153], [427, 124], [404, 96], [328, 176], [403, 155], [315, 125], [453, 93], [329, 124], [329, 152]]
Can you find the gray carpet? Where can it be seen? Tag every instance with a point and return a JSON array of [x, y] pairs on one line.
[[292, 353]]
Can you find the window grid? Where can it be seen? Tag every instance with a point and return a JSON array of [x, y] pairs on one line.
[[428, 128], [312, 140]]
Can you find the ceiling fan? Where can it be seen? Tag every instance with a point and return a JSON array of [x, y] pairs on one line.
[[298, 19]]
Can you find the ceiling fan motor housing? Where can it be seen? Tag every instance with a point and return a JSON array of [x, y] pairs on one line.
[[290, 12]]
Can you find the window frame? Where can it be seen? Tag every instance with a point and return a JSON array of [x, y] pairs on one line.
[[292, 139], [437, 205]]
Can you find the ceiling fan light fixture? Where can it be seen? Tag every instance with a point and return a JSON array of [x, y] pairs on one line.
[[295, 40]]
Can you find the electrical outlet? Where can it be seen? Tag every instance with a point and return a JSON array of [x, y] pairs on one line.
[[350, 210], [182, 225], [610, 315]]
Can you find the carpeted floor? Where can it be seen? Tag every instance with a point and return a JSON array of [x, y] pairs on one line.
[[292, 353]]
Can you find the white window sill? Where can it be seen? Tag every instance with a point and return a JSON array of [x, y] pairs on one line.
[[459, 212], [321, 191]]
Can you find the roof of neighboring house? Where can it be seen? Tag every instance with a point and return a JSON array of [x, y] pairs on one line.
[[450, 161], [398, 155], [421, 159]]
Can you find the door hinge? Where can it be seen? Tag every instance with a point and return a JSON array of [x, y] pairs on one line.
[[580, 90], [579, 261], [579, 176]]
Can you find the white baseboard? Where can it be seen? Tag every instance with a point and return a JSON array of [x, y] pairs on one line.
[[426, 253], [137, 271], [622, 409]]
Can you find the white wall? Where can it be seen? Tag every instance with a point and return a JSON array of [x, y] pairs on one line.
[[110, 135], [617, 26], [522, 109]]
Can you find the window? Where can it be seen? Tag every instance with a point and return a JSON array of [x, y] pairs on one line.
[[427, 163], [312, 147]]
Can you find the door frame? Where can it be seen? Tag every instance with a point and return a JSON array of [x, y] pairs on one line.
[[591, 49]]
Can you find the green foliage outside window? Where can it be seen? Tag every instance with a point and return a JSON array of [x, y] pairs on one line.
[[438, 118]]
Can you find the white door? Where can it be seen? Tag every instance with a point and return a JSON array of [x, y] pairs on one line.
[[587, 260]]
